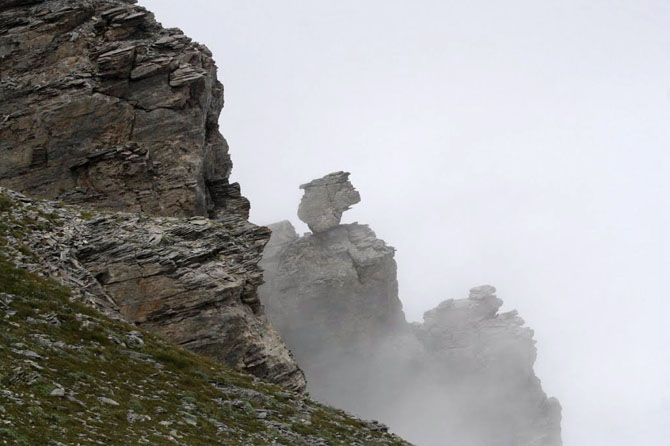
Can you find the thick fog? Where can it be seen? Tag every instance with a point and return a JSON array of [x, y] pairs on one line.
[[523, 144]]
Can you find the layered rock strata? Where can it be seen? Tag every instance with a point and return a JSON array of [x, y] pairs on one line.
[[325, 200], [464, 376], [190, 280], [323, 275], [72, 377], [102, 107], [480, 376]]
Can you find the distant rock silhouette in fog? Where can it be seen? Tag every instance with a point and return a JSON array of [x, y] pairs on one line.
[[465, 376]]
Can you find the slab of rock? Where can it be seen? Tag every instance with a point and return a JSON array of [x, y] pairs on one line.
[[108, 401], [192, 280], [58, 391], [325, 200]]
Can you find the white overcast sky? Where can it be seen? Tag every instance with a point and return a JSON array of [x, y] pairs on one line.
[[525, 144]]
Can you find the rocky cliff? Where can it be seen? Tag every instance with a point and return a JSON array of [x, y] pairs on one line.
[[102, 107], [336, 264], [115, 120], [464, 376], [69, 375]]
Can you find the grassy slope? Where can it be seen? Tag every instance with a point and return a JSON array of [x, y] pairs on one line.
[[60, 359]]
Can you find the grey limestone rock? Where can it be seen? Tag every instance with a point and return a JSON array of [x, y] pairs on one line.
[[464, 376], [191, 280], [482, 361], [325, 200], [324, 275], [101, 106]]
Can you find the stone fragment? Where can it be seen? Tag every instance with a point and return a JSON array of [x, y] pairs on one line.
[[185, 75], [108, 401], [116, 63], [133, 417], [58, 391], [134, 339], [151, 67], [29, 354], [325, 199]]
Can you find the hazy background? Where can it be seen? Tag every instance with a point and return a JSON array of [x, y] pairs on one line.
[[523, 144]]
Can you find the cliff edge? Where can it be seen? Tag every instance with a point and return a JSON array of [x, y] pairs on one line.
[[102, 107]]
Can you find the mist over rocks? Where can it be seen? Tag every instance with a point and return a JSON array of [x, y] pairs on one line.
[[325, 273], [483, 360], [113, 121], [464, 376], [102, 107]]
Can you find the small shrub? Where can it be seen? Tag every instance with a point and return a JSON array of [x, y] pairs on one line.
[[6, 203], [136, 405], [16, 438], [175, 359], [87, 215]]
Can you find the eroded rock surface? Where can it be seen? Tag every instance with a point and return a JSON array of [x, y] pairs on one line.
[[192, 280], [325, 200], [481, 361], [324, 275], [72, 376], [464, 376], [102, 107]]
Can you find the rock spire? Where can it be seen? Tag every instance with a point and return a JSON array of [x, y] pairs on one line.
[[325, 199]]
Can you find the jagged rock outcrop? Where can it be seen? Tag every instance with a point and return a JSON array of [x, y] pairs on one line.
[[324, 275], [191, 280], [70, 376], [464, 376], [102, 107], [482, 360], [325, 200], [312, 293]]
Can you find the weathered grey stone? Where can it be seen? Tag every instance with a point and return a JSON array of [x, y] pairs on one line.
[[185, 75], [58, 392], [483, 360], [323, 276], [194, 281], [86, 77], [108, 401], [464, 377], [100, 106], [325, 200]]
